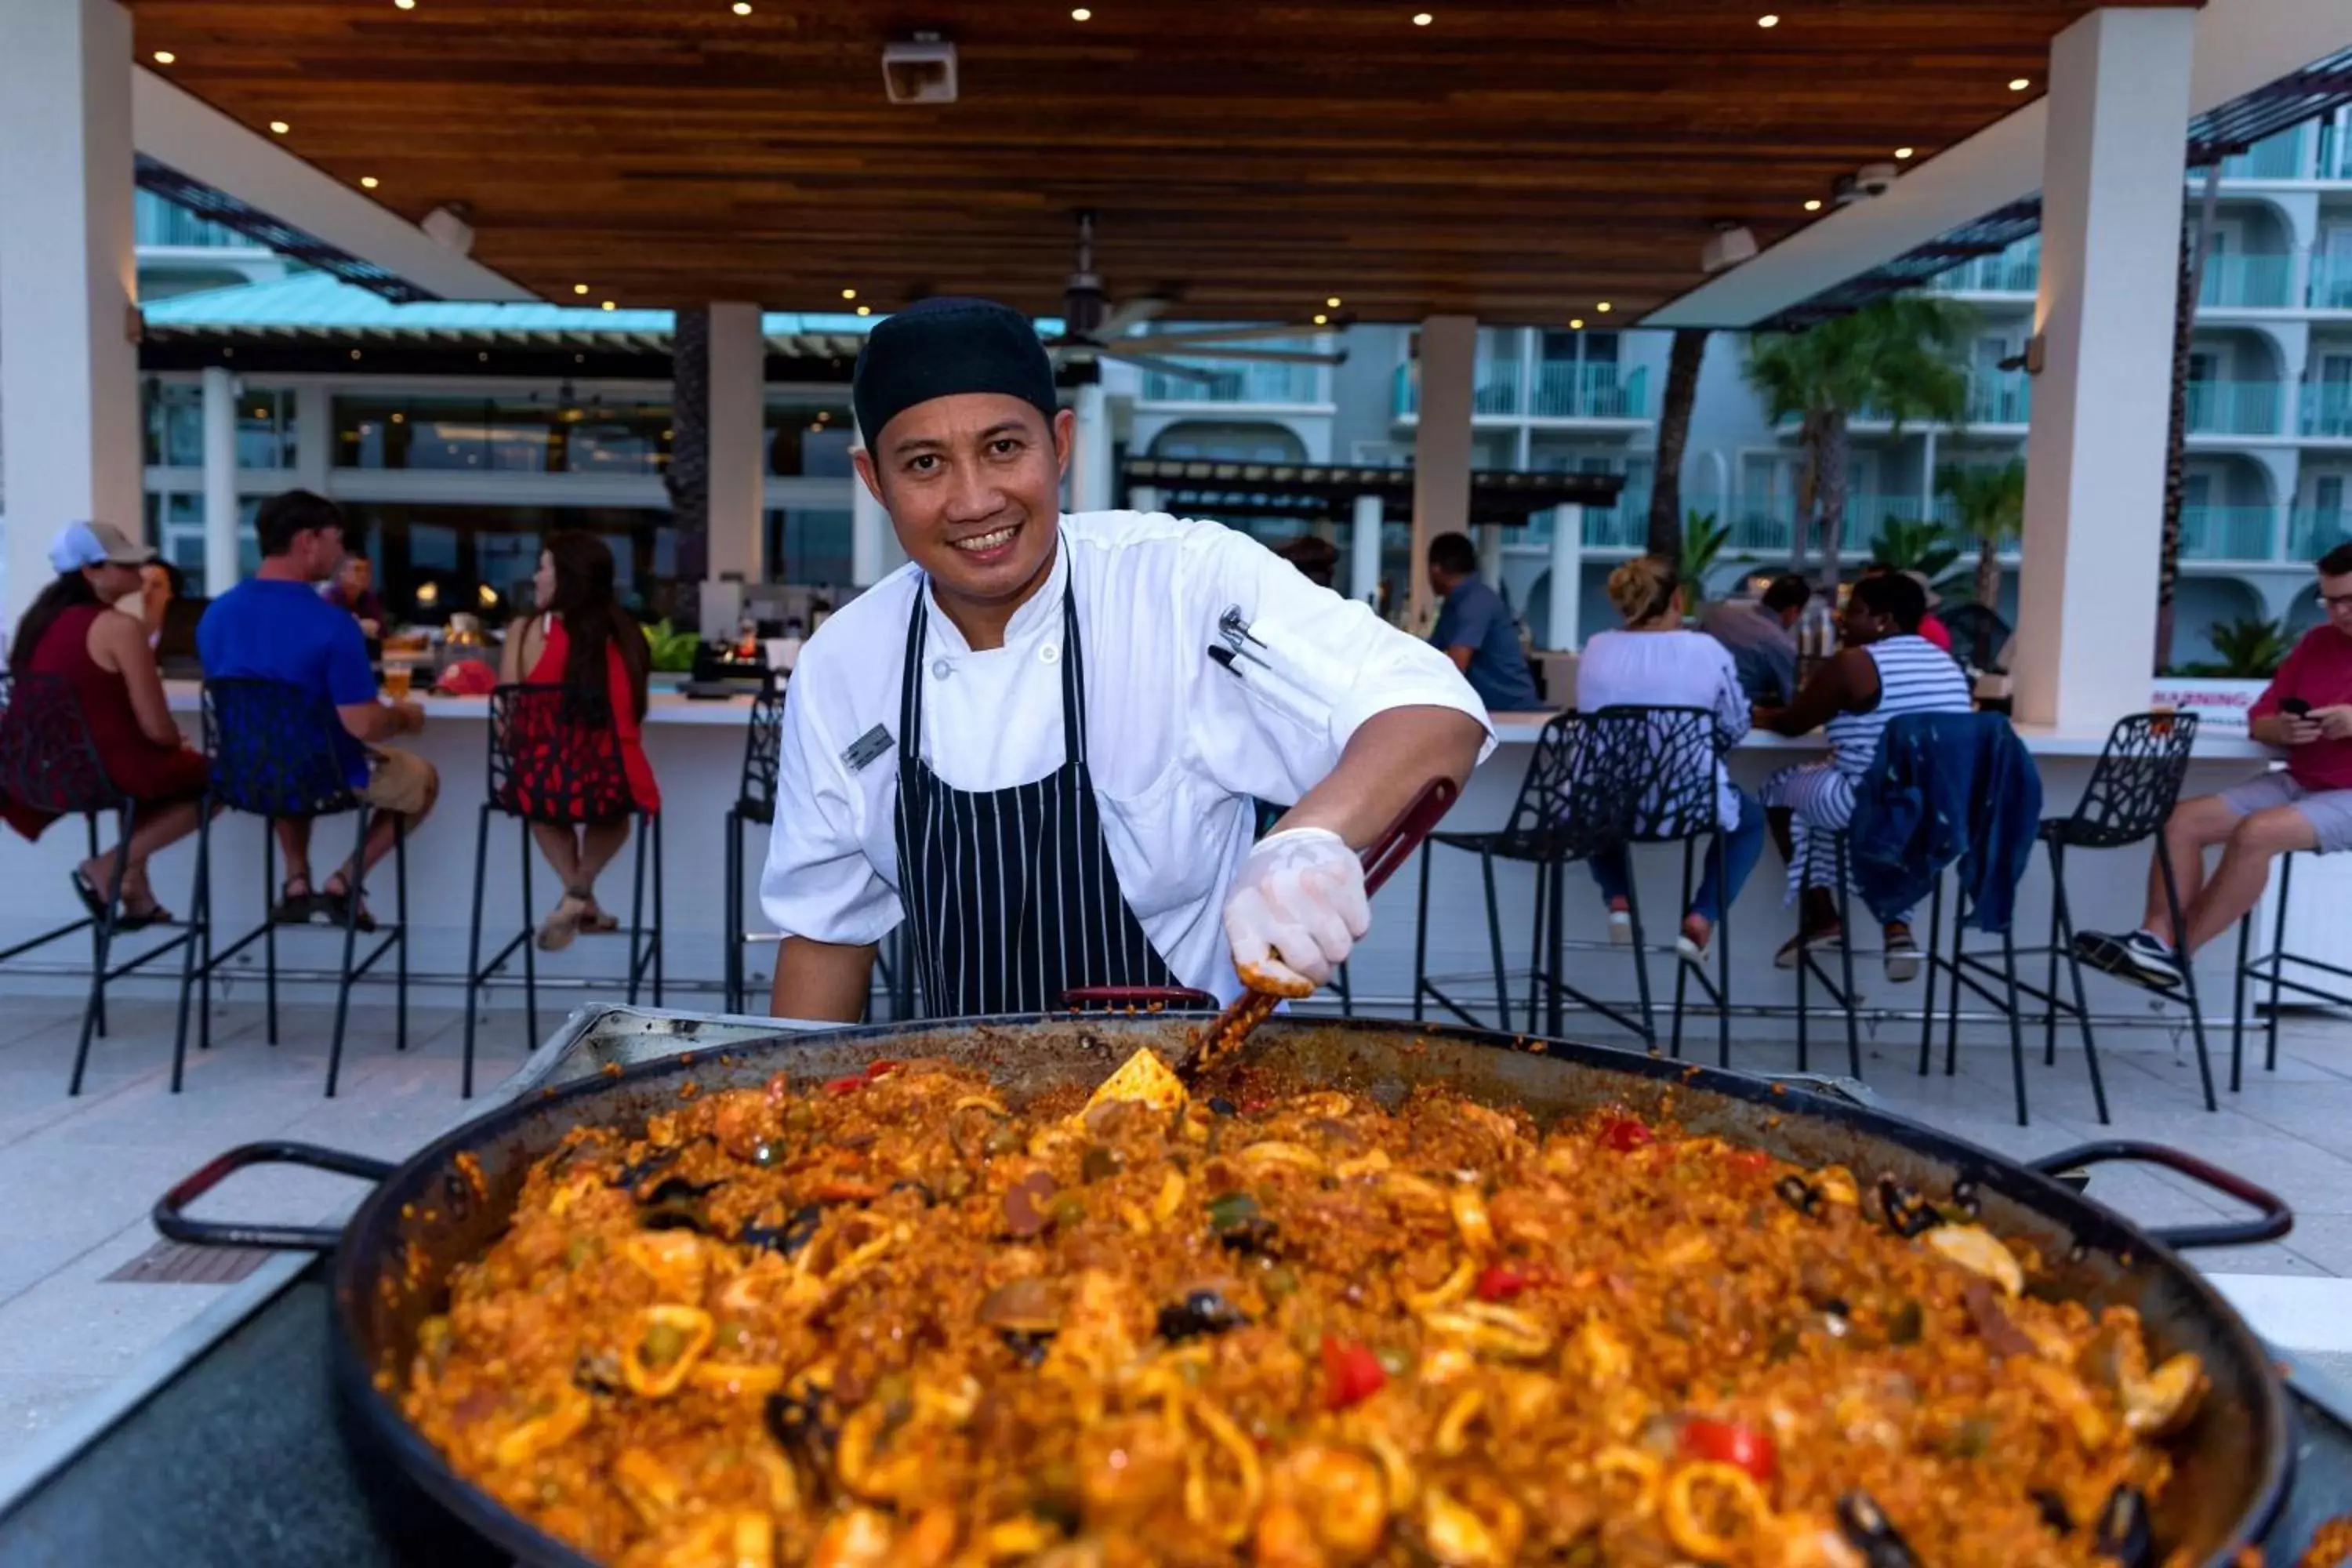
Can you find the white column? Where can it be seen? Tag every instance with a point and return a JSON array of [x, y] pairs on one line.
[[738, 443], [314, 438], [1490, 554], [1927, 473], [1090, 478], [869, 533], [70, 373], [1440, 463], [220, 480], [1143, 498], [1567, 576], [2094, 451], [1364, 548]]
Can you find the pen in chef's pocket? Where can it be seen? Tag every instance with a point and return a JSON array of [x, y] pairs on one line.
[[1268, 683]]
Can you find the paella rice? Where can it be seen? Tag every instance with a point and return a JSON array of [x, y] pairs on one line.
[[892, 1319]]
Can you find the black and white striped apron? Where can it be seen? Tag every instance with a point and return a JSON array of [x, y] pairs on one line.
[[1011, 896]]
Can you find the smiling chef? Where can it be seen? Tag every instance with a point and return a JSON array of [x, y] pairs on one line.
[[1039, 742]]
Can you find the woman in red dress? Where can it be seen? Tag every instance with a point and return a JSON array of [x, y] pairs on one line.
[[73, 631], [585, 639]]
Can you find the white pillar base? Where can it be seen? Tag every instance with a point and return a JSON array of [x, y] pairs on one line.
[[1364, 549], [738, 444], [70, 377], [222, 567], [1090, 467]]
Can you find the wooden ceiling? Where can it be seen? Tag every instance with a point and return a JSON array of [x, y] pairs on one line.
[[1520, 161]]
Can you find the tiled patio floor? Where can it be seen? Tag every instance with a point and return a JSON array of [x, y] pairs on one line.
[[81, 1175]]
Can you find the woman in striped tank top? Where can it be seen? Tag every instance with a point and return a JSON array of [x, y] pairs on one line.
[[1886, 671]]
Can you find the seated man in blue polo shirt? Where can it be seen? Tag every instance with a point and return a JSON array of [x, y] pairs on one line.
[[275, 626], [1475, 630]]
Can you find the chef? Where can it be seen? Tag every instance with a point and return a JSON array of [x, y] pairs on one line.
[[1021, 745]]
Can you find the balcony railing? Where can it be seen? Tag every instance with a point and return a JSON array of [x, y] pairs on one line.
[[2274, 157], [1241, 381], [2331, 279], [1570, 391], [2228, 532], [2312, 533], [2335, 154], [2254, 280], [2234, 407], [155, 221], [2327, 409], [2017, 270], [2000, 397]]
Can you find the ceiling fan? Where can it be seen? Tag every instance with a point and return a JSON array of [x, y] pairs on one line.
[[1094, 330]]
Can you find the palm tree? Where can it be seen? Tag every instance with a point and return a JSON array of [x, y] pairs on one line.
[[687, 477], [1673, 434], [1990, 503], [1902, 358]]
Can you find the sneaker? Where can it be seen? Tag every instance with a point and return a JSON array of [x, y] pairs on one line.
[[1902, 957], [2138, 958], [1620, 928], [1805, 942]]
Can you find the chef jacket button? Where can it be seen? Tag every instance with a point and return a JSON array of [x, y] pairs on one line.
[[1051, 653], [941, 669]]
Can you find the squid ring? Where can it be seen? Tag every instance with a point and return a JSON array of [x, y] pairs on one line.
[[1689, 1531]]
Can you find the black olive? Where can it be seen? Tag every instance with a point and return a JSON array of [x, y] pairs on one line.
[[1798, 1194], [2053, 1509], [1028, 1347], [1223, 1106], [1873, 1533], [1908, 1214], [798, 1423], [788, 1238], [2123, 1533], [1200, 1312]]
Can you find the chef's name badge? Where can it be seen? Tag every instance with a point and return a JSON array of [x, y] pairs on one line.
[[865, 748]]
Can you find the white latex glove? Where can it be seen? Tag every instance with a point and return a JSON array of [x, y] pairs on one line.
[[1296, 907]]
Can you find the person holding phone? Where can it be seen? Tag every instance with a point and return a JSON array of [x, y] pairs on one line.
[[2306, 710]]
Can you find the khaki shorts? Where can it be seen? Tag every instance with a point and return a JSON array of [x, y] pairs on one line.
[[2329, 811], [398, 781]]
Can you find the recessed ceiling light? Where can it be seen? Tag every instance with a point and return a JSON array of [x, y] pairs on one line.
[[1767, 20], [1904, 151], [1332, 303], [865, 310], [1423, 19], [849, 293], [280, 127], [1082, 15], [368, 182], [742, 7], [1814, 205], [164, 56], [2018, 84], [1602, 307], [1576, 323], [609, 305], [580, 288], [405, 5], [1321, 319]]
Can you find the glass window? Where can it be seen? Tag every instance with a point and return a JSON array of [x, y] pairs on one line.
[[808, 545], [265, 428], [810, 437], [431, 561], [175, 424], [556, 431], [1599, 348]]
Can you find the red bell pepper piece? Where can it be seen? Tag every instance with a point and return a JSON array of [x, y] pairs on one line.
[[1351, 1373], [1625, 1134], [1500, 1282], [1729, 1443]]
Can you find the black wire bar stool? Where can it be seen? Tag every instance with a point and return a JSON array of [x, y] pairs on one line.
[[2270, 969], [1680, 802]]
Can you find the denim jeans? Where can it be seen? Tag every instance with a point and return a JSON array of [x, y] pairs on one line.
[[1741, 846]]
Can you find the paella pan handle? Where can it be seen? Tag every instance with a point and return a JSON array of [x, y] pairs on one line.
[[172, 1219], [2274, 1220], [1167, 998]]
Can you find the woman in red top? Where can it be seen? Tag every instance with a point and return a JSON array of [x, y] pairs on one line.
[[73, 631], [585, 639]]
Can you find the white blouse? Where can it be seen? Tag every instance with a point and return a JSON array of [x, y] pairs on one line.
[[1668, 669], [1180, 748]]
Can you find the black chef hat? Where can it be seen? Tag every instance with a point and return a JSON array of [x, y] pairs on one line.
[[941, 347]]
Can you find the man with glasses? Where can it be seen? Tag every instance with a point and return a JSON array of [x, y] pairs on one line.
[[2307, 712]]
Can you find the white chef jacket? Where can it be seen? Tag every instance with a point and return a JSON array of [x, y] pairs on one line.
[[1178, 746]]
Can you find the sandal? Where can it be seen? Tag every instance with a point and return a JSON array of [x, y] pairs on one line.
[[563, 922], [140, 920], [597, 922], [296, 909], [337, 907]]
